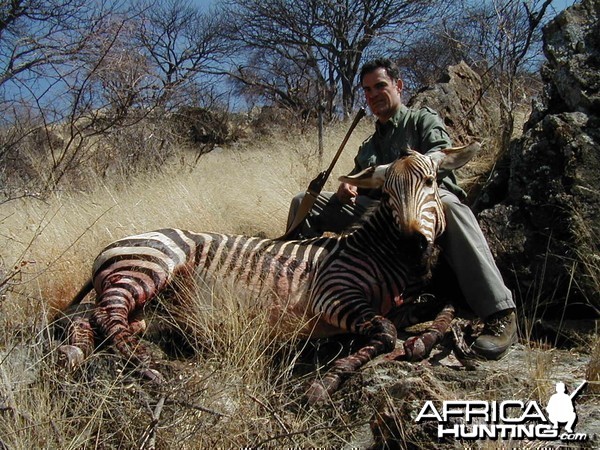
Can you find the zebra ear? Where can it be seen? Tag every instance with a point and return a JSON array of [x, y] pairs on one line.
[[455, 157], [370, 178]]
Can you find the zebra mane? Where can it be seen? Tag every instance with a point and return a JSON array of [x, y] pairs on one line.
[[423, 262], [364, 218]]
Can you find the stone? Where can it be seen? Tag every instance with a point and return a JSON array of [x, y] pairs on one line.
[[469, 114], [458, 98], [541, 210], [572, 47]]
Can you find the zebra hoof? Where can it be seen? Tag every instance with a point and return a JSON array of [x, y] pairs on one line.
[[154, 376], [321, 390], [70, 357], [415, 349], [317, 393]]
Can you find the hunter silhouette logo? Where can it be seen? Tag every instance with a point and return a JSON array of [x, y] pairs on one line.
[[508, 419], [561, 408]]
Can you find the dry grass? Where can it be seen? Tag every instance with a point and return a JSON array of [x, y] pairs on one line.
[[236, 390], [592, 373], [243, 190], [239, 386]]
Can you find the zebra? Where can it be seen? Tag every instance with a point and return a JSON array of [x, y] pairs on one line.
[[356, 282]]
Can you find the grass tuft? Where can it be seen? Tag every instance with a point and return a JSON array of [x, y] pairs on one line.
[[230, 380]]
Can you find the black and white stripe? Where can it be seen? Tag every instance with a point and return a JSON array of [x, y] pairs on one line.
[[344, 284]]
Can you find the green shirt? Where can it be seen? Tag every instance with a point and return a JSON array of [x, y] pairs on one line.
[[417, 129]]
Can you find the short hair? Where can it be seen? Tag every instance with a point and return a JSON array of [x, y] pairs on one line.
[[371, 66]]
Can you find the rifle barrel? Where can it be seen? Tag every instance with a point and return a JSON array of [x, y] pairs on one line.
[[576, 391], [316, 186]]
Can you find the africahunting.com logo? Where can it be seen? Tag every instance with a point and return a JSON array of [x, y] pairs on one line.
[[509, 419]]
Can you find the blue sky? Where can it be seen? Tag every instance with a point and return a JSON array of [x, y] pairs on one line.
[[204, 4], [559, 5]]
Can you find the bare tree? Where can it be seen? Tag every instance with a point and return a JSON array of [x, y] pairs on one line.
[[514, 49], [119, 71], [181, 44], [500, 39], [313, 49], [36, 33], [72, 70], [43, 78], [276, 82]]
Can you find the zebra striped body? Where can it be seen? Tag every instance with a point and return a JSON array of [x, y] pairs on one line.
[[148, 263], [331, 285]]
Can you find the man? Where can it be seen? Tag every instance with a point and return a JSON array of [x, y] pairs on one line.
[[560, 408], [463, 244]]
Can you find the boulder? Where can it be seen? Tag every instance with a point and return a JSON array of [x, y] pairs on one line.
[[458, 98], [572, 47], [469, 114], [541, 210]]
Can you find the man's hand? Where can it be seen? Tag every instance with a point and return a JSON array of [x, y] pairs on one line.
[[347, 193]]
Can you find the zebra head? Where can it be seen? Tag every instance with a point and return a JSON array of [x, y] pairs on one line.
[[410, 189]]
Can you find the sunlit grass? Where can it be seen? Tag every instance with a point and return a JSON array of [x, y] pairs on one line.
[[236, 389], [239, 385]]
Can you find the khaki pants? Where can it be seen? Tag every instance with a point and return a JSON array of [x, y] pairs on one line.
[[463, 245]]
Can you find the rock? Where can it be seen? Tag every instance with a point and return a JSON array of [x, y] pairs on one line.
[[572, 46], [469, 114], [392, 394], [458, 98], [543, 231]]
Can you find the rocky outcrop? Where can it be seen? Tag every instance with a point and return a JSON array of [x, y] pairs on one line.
[[469, 113], [458, 98], [544, 230], [572, 46]]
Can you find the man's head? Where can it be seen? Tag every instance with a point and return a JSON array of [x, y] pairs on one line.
[[381, 83]]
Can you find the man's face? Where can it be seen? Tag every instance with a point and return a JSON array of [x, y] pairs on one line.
[[383, 94]]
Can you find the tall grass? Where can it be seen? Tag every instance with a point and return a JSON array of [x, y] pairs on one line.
[[230, 380], [244, 189], [236, 389]]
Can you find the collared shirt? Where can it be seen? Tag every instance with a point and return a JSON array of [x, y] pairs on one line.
[[417, 129]]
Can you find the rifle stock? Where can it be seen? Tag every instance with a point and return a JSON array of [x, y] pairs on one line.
[[316, 185]]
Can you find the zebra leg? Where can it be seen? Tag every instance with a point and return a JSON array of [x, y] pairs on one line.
[[73, 326], [137, 323], [138, 327], [80, 338], [111, 320], [382, 339], [418, 347]]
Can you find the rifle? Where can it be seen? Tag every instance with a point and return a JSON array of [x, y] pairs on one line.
[[576, 391], [316, 186]]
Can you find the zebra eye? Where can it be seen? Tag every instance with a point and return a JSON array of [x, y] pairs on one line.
[[429, 181]]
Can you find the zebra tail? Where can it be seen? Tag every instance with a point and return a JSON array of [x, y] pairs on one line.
[[83, 292]]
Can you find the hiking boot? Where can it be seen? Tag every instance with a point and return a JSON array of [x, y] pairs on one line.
[[499, 333]]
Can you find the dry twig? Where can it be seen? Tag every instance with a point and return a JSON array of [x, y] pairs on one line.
[[149, 440]]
